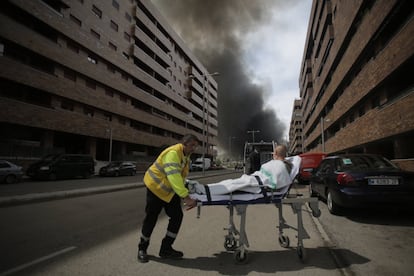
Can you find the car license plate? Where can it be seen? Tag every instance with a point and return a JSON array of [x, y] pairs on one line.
[[383, 181]]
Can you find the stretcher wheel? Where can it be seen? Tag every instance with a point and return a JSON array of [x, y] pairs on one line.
[[240, 256], [230, 244], [316, 213], [284, 241], [301, 253]]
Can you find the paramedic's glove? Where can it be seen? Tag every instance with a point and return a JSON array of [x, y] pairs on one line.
[[189, 202], [193, 187]]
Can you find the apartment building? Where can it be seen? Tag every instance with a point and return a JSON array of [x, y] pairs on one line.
[[295, 131], [356, 80], [109, 78]]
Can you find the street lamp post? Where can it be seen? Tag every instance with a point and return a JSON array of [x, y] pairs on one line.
[[253, 132], [110, 143]]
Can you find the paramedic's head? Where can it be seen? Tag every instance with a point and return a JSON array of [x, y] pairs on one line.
[[190, 143], [280, 152]]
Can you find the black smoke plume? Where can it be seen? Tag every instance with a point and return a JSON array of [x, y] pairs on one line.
[[213, 30]]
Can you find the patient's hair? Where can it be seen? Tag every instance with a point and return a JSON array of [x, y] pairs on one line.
[[281, 151]]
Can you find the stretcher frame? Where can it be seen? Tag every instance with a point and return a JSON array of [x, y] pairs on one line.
[[237, 241]]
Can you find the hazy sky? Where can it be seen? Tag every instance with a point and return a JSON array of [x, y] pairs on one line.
[[257, 46]]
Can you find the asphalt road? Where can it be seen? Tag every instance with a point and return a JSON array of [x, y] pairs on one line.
[[97, 234], [33, 230]]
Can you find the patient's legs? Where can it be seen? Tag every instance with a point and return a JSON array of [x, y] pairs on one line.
[[245, 183]]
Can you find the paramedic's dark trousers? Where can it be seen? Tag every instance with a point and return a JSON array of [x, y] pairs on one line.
[[152, 210]]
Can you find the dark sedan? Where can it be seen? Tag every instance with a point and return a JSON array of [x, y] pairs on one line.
[[118, 168], [361, 180]]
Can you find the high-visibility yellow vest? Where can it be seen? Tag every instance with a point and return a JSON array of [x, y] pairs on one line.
[[156, 177]]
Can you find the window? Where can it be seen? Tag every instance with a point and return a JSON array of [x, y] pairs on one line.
[[90, 83], [108, 117], [125, 55], [72, 46], [128, 17], [88, 111], [55, 5], [92, 59], [109, 92], [115, 4], [111, 68], [75, 20], [95, 34], [127, 37], [67, 105], [114, 26], [112, 46], [69, 74], [96, 11], [4, 165]]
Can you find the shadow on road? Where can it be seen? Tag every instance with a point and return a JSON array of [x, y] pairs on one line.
[[267, 261]]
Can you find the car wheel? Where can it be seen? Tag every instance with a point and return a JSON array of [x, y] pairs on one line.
[[10, 179], [333, 207]]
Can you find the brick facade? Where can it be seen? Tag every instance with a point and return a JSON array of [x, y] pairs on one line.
[[355, 82], [74, 70]]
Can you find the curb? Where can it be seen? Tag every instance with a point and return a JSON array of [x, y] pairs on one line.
[[39, 197]]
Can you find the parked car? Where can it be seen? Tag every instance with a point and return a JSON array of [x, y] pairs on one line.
[[310, 161], [361, 180], [62, 166], [118, 168], [9, 172]]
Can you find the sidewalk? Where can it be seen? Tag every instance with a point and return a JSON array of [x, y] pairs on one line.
[[30, 197], [202, 242]]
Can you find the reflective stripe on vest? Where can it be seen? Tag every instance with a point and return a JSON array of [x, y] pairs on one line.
[[159, 182], [162, 169]]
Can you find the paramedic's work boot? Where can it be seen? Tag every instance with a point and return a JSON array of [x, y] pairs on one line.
[[170, 253], [142, 251], [167, 251], [142, 256]]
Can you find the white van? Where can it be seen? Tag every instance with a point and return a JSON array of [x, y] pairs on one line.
[[197, 165]]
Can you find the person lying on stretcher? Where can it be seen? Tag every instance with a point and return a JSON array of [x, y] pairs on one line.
[[276, 174]]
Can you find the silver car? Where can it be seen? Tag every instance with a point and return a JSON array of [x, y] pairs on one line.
[[9, 172]]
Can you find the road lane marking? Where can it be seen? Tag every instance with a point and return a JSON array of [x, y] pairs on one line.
[[42, 259]]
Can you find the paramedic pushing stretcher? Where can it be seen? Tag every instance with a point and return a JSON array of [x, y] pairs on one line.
[[165, 182]]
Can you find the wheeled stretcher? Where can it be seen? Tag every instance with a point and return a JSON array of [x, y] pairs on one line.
[[236, 240]]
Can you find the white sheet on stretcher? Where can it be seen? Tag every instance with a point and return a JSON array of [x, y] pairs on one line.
[[276, 172], [239, 196]]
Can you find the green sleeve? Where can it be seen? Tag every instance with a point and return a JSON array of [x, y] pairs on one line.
[[172, 168]]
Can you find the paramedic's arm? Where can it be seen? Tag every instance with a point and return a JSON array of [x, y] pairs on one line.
[[176, 180]]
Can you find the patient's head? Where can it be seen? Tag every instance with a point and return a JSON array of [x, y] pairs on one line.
[[280, 152]]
